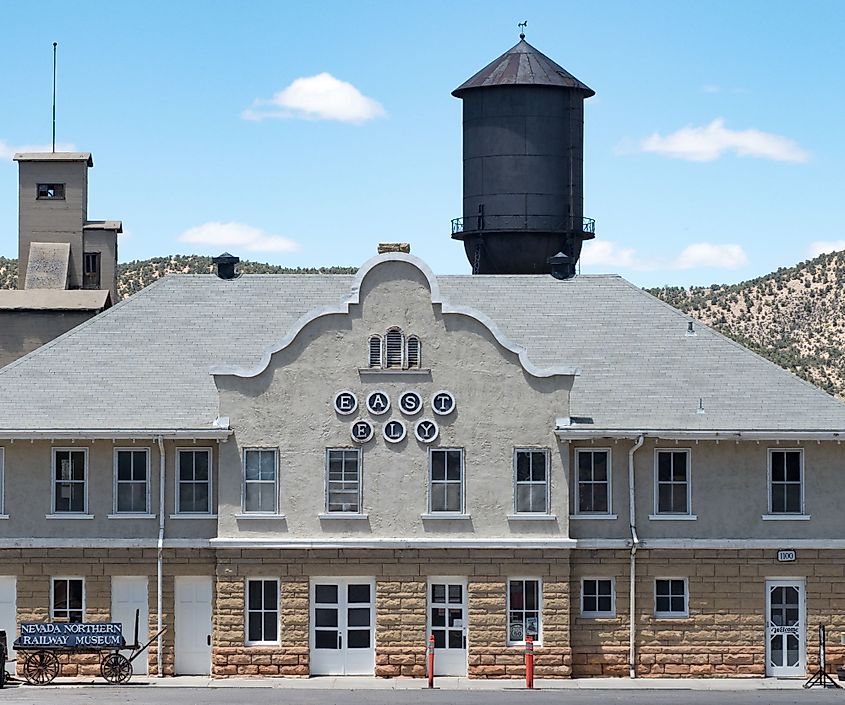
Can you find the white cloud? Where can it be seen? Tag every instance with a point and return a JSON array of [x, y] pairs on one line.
[[237, 236], [711, 88], [7, 151], [603, 253], [823, 246], [699, 255], [707, 143], [706, 254], [320, 97]]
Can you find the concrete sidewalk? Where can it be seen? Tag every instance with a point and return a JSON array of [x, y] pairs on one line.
[[445, 683]]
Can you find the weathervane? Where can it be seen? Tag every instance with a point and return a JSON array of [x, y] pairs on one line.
[[522, 26]]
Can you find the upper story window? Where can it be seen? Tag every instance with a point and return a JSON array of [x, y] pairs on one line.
[[343, 480], [446, 480], [672, 486], [531, 481], [394, 351], [593, 468], [70, 476], [91, 270], [193, 481], [260, 492], [131, 481], [51, 192], [786, 481]]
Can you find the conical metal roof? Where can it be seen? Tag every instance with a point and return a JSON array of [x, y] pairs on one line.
[[523, 65]]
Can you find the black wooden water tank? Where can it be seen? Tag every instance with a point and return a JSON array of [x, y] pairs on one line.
[[523, 164]]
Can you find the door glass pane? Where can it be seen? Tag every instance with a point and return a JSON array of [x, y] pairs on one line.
[[456, 639], [438, 592], [359, 593], [439, 638], [455, 594], [776, 646], [326, 594], [791, 650], [325, 617], [325, 639], [358, 617], [359, 638], [438, 617]]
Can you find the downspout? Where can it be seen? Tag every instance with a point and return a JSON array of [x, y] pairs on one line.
[[160, 560], [635, 542]]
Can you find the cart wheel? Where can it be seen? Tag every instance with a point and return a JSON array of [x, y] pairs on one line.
[[41, 667], [116, 668]]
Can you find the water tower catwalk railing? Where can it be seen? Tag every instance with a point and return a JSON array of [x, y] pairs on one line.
[[524, 223]]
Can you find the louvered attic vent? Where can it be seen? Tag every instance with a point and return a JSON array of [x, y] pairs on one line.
[[394, 351]]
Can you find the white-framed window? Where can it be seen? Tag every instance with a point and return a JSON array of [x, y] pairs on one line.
[[261, 483], [594, 473], [343, 480], [131, 480], [786, 481], [394, 350], [446, 480], [671, 597], [193, 480], [672, 481], [262, 611], [525, 608], [70, 481], [531, 480], [598, 597], [2, 482], [67, 599]]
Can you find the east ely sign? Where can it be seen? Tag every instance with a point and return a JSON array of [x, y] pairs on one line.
[[95, 635]]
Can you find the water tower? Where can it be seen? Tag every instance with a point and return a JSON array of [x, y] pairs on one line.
[[523, 166]]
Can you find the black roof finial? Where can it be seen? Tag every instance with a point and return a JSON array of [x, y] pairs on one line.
[[522, 26]]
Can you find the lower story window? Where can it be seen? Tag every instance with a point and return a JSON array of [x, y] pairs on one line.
[[597, 597], [523, 610], [262, 611], [670, 597], [68, 600]]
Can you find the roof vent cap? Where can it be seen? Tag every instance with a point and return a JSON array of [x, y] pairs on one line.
[[562, 266], [226, 265]]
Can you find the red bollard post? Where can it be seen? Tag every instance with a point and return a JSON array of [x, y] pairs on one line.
[[431, 661], [529, 662]]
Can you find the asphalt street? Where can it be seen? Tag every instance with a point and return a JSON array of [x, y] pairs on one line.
[[153, 695]]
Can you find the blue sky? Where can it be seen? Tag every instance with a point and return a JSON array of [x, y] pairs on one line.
[[713, 151]]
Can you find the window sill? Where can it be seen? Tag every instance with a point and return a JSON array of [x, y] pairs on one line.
[[69, 515], [599, 517], [4, 516], [259, 644], [198, 515], [392, 372], [129, 515], [445, 516], [598, 615], [786, 517], [662, 615], [532, 517], [521, 644], [342, 515], [673, 517], [268, 517]]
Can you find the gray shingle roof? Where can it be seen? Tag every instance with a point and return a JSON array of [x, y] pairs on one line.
[[144, 363]]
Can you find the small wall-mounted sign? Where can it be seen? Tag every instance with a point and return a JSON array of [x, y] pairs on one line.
[[394, 431], [786, 556], [361, 431], [345, 403], [378, 403], [443, 403], [426, 431]]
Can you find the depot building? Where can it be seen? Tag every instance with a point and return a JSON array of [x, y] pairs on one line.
[[313, 474]]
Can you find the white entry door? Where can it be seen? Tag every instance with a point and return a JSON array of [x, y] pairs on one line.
[[786, 643], [342, 619], [193, 626], [447, 621], [128, 595], [8, 615]]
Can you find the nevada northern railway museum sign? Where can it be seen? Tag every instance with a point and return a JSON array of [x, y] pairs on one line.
[[70, 635]]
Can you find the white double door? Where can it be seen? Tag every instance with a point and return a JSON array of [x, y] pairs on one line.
[[193, 626], [786, 631], [447, 622], [130, 596], [8, 615], [342, 619]]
